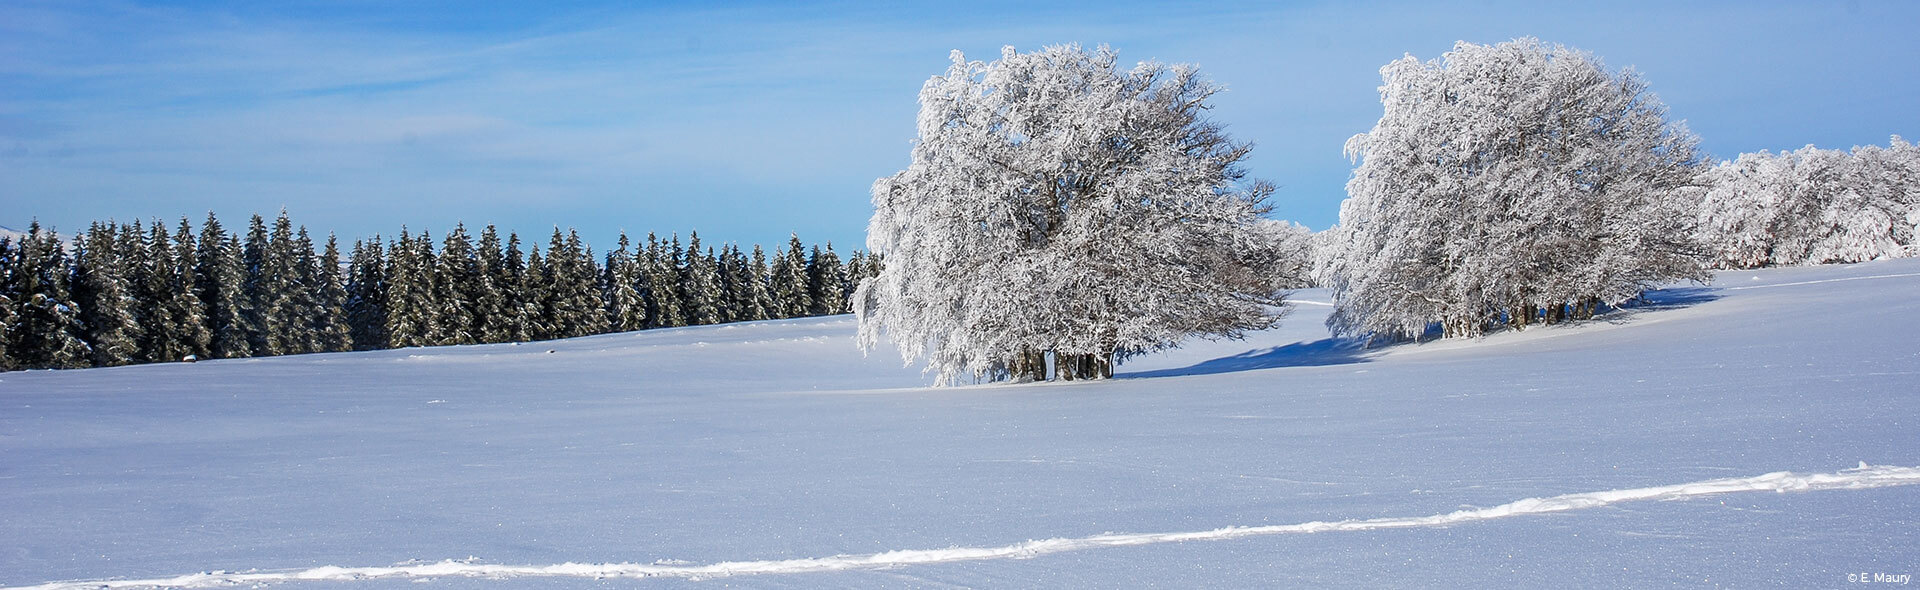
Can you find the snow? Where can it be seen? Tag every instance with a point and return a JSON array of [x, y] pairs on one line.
[[1760, 431]]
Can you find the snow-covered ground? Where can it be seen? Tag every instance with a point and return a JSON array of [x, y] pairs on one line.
[[1646, 449]]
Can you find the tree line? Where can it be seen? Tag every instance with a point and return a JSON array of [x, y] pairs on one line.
[[1061, 212], [120, 294]]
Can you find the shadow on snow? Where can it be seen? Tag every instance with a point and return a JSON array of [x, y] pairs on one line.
[[1329, 351], [1344, 351]]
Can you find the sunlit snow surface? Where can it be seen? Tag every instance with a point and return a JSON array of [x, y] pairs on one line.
[[1644, 449]]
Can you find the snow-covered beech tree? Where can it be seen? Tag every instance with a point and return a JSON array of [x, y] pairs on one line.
[[1509, 183], [1813, 206], [1058, 205], [1296, 245]]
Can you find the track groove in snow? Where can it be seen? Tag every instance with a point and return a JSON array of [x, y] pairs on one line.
[[1858, 478], [1838, 280]]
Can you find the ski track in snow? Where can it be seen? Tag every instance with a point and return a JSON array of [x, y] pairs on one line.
[[1858, 478], [1890, 276]]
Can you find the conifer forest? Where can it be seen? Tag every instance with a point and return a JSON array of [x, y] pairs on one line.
[[119, 294]]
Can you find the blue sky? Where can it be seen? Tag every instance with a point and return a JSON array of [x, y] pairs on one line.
[[751, 120]]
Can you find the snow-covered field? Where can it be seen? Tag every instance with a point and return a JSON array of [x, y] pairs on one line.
[[1645, 449]]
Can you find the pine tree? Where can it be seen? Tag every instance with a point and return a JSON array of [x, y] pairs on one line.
[[491, 294], [286, 305], [167, 337], [520, 296], [408, 285], [332, 331], [574, 307], [789, 282], [735, 304], [626, 308], [367, 295], [7, 253], [457, 278], [663, 298], [253, 262], [699, 285], [184, 298], [131, 247], [221, 288], [45, 331], [760, 304], [100, 289], [537, 294], [826, 282]]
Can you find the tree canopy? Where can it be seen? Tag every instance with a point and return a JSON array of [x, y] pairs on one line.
[[1057, 203]]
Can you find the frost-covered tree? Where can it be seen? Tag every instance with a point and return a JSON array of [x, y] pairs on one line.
[[1509, 183], [1059, 205], [1295, 246], [1813, 206]]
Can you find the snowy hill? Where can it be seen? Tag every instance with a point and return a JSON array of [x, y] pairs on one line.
[[773, 454], [7, 233]]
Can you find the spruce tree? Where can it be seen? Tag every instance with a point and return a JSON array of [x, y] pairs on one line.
[[166, 338], [732, 266], [183, 297], [789, 282], [457, 275], [574, 308], [826, 282], [536, 290], [662, 277], [331, 329], [490, 293], [700, 285], [45, 331], [367, 295], [759, 300], [407, 289], [253, 262], [130, 246], [6, 303], [626, 308], [285, 309], [100, 289], [519, 295], [221, 286]]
